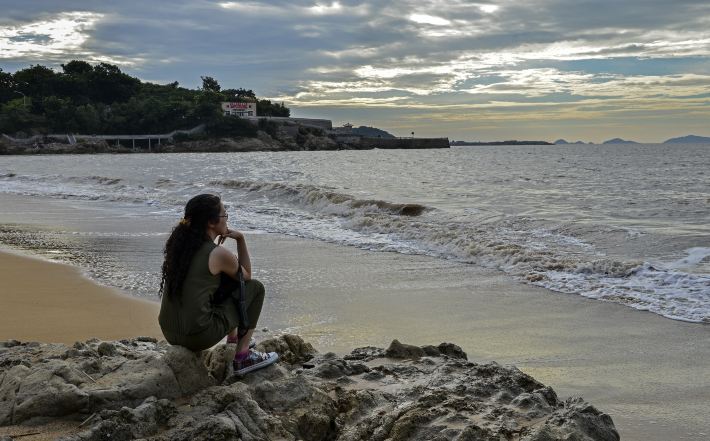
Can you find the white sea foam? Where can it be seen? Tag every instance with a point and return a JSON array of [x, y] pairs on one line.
[[694, 257]]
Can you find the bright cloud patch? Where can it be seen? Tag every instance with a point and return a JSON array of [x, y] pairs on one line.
[[489, 9], [429, 19], [65, 33]]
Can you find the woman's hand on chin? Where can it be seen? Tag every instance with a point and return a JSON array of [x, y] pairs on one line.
[[234, 234]]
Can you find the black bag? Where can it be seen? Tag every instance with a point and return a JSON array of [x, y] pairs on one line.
[[226, 289]]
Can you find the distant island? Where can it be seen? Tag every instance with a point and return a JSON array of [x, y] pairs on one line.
[[563, 141], [689, 139], [619, 141], [509, 142]]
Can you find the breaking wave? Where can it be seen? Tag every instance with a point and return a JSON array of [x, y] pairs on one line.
[[323, 199]]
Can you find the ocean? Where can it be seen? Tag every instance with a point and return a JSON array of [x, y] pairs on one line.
[[618, 223]]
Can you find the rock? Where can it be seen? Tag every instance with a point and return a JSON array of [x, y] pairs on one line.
[[315, 427], [400, 350], [366, 354], [148, 389], [126, 423], [189, 369], [106, 349], [452, 350], [146, 339], [431, 351], [9, 386], [43, 393], [291, 348], [10, 343], [218, 360]]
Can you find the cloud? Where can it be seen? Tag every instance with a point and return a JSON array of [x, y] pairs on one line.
[[56, 36], [429, 19], [447, 55]]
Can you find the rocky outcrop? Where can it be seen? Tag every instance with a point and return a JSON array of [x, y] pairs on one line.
[[143, 388]]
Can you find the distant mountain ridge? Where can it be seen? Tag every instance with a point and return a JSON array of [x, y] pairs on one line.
[[564, 141], [619, 141], [689, 139]]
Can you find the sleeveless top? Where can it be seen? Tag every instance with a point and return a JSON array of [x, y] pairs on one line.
[[191, 312]]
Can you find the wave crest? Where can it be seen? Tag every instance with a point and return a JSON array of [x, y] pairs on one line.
[[321, 198]]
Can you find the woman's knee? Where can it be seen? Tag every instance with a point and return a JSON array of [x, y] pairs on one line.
[[257, 286]]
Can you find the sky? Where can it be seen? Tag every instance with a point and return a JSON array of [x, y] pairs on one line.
[[585, 70]]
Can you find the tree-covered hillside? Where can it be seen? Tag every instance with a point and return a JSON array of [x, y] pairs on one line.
[[100, 99]]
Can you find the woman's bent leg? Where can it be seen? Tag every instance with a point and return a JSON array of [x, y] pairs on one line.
[[254, 300]]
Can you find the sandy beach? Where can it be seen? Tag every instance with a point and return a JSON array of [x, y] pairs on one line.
[[51, 302]]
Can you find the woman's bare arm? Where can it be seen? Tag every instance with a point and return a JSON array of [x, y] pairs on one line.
[[222, 260]]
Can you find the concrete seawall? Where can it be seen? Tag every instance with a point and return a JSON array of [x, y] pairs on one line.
[[404, 143]]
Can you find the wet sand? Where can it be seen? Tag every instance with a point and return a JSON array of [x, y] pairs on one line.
[[51, 302]]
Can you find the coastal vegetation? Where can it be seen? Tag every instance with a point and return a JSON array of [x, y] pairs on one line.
[[100, 99], [372, 132]]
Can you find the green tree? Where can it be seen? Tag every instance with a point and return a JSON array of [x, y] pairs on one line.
[[36, 81], [7, 87], [207, 106], [267, 108], [231, 126], [16, 117], [209, 84], [238, 94], [108, 84], [77, 68], [87, 98], [59, 113], [88, 119]]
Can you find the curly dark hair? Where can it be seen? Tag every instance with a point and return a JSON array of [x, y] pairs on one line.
[[186, 238]]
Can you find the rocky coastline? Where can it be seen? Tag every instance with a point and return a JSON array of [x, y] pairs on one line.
[[146, 389], [262, 142]]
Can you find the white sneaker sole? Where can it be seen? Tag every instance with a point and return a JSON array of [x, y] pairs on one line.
[[273, 358]]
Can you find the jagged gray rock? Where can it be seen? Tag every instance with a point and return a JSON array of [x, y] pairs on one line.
[[291, 348], [189, 369], [148, 389], [400, 350]]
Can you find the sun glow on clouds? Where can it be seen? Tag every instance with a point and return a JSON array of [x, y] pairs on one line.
[[267, 10], [319, 9], [488, 9], [429, 19], [66, 32]]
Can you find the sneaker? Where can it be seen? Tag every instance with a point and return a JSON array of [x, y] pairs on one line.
[[255, 360]]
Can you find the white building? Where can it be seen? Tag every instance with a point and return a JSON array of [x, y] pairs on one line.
[[239, 109], [346, 129]]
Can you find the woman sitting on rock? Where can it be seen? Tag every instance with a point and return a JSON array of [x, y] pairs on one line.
[[202, 297]]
